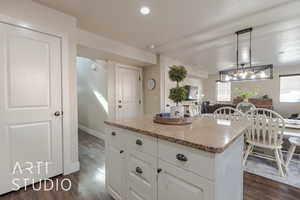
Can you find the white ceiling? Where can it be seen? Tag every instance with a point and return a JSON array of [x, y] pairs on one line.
[[198, 32]]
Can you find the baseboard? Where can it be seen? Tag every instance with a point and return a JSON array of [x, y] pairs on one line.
[[74, 167], [93, 132]]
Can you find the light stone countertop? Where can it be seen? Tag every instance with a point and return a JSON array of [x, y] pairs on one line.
[[205, 134]]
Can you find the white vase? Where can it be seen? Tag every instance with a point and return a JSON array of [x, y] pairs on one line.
[[177, 111]]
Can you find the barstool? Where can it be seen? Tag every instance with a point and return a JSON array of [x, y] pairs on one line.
[[295, 141]]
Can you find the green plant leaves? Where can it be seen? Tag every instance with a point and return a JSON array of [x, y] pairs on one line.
[[177, 73], [178, 94]]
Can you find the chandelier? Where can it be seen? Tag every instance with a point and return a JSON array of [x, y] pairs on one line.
[[245, 70]]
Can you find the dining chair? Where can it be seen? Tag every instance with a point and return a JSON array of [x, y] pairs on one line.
[[295, 142], [228, 113], [266, 131], [245, 107]]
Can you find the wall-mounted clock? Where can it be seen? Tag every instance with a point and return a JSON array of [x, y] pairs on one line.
[[151, 84]]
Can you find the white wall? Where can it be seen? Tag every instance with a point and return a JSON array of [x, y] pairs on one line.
[[114, 50], [28, 14], [269, 87], [92, 84], [151, 97]]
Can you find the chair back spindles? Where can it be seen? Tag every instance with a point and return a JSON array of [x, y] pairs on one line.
[[266, 131], [267, 127], [228, 113]]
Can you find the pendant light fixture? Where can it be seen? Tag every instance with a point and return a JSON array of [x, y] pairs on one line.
[[245, 70]]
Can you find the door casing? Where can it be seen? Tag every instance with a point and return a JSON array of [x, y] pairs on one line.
[[140, 87], [70, 162]]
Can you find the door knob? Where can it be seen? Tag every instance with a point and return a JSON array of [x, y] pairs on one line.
[[57, 114], [181, 157]]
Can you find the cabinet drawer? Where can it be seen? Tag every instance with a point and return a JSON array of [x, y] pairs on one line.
[[116, 136], [199, 162], [142, 143], [141, 176]]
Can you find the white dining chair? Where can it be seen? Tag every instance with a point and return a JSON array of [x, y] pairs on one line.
[[228, 113], [295, 142], [245, 107], [266, 131]]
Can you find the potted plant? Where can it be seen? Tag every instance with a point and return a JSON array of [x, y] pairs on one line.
[[246, 94], [179, 93]]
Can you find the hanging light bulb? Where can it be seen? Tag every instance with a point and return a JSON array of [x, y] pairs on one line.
[[227, 78], [263, 74], [244, 75], [253, 76]]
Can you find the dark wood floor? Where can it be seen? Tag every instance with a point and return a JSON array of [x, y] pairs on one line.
[[89, 183]]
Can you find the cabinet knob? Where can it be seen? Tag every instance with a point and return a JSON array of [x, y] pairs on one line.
[[181, 157], [138, 170], [159, 170], [113, 133], [139, 142], [122, 151]]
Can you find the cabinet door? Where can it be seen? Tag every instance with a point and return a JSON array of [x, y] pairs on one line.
[[115, 170], [177, 184], [142, 176]]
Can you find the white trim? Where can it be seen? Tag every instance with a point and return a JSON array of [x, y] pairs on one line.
[[71, 168], [98, 134], [117, 88], [128, 66]]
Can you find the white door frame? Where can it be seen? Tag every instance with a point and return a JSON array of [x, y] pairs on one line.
[[68, 165], [118, 65]]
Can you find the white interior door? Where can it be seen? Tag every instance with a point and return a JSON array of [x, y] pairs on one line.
[[129, 92], [30, 94]]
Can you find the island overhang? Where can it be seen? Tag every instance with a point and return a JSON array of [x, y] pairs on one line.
[[210, 135]]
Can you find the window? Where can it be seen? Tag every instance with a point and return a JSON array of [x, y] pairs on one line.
[[223, 91], [290, 88]]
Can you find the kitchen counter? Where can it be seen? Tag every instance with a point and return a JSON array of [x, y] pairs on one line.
[[146, 160], [204, 134]]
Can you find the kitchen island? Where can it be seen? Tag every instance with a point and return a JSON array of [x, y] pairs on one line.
[[150, 161]]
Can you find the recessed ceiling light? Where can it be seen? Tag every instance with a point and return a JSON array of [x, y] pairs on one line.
[[151, 46], [145, 10]]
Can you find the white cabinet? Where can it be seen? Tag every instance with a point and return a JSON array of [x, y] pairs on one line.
[[141, 175], [115, 169], [140, 167], [178, 184], [131, 167], [115, 163]]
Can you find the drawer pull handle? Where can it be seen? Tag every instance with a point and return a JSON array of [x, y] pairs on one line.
[[122, 151], [181, 157], [138, 170], [113, 133], [139, 142]]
